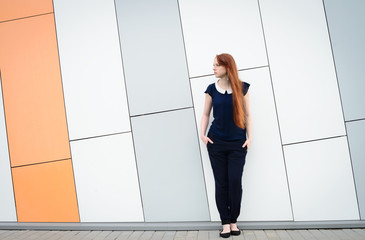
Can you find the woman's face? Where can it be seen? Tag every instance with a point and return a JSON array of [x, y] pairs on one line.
[[219, 71]]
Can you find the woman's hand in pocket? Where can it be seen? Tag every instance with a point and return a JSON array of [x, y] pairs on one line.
[[247, 143], [205, 139]]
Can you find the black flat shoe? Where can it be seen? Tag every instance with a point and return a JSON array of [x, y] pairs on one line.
[[236, 233], [225, 235]]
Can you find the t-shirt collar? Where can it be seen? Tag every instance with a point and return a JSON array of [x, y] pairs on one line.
[[221, 90]]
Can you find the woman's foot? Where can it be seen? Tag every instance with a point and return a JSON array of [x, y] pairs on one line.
[[226, 232], [234, 229]]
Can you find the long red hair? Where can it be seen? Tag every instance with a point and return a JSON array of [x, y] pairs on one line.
[[228, 62]]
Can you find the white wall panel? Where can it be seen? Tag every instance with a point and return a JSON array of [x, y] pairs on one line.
[[302, 68], [264, 174], [91, 68], [153, 55], [106, 179], [321, 180], [211, 27], [7, 204]]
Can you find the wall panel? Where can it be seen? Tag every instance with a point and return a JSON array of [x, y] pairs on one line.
[[302, 69], [356, 140], [45, 192], [106, 179], [213, 27], [32, 90], [7, 204], [10, 9], [321, 181], [169, 167], [153, 55], [264, 174], [91, 64], [345, 22]]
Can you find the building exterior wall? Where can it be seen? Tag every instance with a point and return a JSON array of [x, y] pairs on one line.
[[101, 104]]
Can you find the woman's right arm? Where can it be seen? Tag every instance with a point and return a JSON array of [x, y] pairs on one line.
[[205, 119]]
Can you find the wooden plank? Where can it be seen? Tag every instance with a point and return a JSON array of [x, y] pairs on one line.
[[203, 235], [169, 235], [249, 235], [113, 235], [284, 235], [102, 235], [340, 234], [306, 234], [124, 235], [55, 235], [180, 235], [360, 231], [353, 234], [331, 235], [158, 235], [51, 235], [295, 235], [318, 234], [147, 235], [13, 235], [135, 235], [48, 235], [31, 235], [271, 235], [192, 235], [79, 235], [213, 235], [66, 235], [261, 235]]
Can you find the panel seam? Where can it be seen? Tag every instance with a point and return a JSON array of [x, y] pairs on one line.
[[342, 108], [7, 139], [276, 110], [15, 19], [65, 112], [193, 107], [129, 113]]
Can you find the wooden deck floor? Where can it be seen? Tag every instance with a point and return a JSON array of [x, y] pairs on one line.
[[311, 234]]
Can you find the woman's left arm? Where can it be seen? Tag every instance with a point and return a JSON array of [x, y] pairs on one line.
[[248, 121]]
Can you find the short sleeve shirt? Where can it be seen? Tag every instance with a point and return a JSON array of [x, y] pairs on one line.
[[223, 125]]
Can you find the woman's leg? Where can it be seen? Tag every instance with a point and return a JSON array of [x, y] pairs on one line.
[[219, 164], [236, 162]]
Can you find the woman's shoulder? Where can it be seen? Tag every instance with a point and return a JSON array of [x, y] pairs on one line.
[[211, 89], [246, 86]]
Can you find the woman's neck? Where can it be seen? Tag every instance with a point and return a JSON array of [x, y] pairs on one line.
[[224, 83]]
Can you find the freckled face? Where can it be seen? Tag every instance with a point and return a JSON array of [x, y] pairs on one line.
[[219, 71]]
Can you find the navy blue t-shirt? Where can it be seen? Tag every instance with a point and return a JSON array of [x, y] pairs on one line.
[[223, 126]]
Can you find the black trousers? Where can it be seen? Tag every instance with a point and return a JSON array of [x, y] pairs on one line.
[[227, 159]]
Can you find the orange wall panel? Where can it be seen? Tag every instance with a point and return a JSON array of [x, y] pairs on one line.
[[45, 192], [13, 9], [32, 91]]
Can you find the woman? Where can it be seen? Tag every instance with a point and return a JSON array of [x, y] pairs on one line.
[[228, 138]]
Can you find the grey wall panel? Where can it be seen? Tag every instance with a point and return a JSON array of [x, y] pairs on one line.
[[153, 55], [91, 67], [302, 70], [346, 25], [356, 138], [7, 204], [169, 167]]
